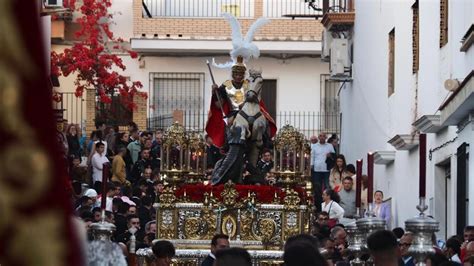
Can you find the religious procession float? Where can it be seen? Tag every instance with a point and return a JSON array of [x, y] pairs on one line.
[[198, 202], [191, 210]]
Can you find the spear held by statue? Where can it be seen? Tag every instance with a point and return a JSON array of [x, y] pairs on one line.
[[219, 100]]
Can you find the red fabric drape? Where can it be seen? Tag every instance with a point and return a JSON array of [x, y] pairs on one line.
[[215, 122], [35, 210]]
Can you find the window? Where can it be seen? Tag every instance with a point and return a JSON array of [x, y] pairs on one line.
[[329, 105], [415, 38], [443, 23], [177, 93], [391, 62]]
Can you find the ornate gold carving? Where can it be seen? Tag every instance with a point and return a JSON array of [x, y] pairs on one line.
[[246, 222], [175, 135], [292, 222], [167, 198], [30, 167], [267, 230], [291, 200], [229, 225], [229, 194], [191, 228], [48, 249], [196, 142], [209, 223], [167, 225], [289, 138]]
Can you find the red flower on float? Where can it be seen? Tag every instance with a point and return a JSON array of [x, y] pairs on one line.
[[264, 194], [90, 58]]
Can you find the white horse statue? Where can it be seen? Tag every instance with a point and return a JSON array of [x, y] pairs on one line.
[[250, 118]]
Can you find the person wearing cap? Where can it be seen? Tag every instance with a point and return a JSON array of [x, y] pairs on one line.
[[89, 199]]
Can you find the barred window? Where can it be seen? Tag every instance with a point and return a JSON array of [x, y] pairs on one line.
[[176, 92], [443, 23], [391, 62], [416, 38]]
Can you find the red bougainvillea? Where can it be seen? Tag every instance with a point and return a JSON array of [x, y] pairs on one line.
[[92, 59]]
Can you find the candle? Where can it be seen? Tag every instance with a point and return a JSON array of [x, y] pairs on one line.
[[188, 160], [301, 166], [422, 150], [275, 158], [281, 160], [161, 158], [168, 158], [294, 161], [370, 174], [105, 181], [181, 158], [358, 183], [198, 154]]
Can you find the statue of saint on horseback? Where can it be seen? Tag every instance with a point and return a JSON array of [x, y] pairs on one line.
[[238, 119]]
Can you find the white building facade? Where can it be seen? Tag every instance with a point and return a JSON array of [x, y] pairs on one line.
[[174, 45], [403, 52]]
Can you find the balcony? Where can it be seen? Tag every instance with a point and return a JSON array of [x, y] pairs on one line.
[[239, 8], [196, 27], [339, 15]]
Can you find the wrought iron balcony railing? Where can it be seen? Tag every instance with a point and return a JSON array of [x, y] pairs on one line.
[[239, 8]]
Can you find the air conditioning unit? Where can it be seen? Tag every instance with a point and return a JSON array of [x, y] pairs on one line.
[[340, 63], [53, 3], [326, 45]]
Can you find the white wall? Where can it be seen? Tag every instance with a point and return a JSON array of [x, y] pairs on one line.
[[122, 26], [370, 118], [298, 80]]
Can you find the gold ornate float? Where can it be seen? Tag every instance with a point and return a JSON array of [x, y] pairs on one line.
[[258, 218]]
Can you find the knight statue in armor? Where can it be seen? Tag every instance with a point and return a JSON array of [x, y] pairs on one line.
[[238, 120]]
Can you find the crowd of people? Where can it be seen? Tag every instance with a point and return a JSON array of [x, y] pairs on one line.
[[134, 180], [386, 248], [135, 183], [334, 184]]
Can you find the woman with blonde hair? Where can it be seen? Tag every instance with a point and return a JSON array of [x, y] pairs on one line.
[[72, 135]]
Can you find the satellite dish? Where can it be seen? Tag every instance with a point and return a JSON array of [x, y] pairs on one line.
[[451, 84]]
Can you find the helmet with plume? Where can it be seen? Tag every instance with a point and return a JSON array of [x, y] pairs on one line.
[[242, 48]]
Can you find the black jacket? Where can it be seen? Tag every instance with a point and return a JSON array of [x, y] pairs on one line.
[[209, 261]]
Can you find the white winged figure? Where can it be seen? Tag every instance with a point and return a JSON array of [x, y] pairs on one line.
[[242, 46]]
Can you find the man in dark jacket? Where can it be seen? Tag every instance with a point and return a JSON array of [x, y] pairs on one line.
[[218, 242]]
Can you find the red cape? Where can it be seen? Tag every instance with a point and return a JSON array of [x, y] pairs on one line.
[[215, 126]]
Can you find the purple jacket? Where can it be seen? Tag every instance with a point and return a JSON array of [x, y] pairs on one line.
[[385, 213]]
